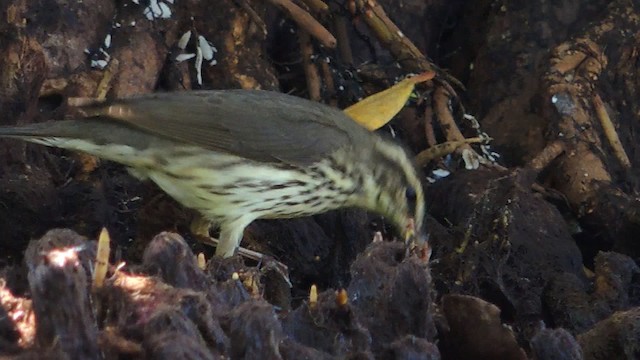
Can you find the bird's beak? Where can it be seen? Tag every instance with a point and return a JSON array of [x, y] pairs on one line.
[[418, 241], [409, 231]]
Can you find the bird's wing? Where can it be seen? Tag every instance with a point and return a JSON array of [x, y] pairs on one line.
[[260, 125]]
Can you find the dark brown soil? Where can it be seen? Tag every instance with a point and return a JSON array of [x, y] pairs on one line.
[[535, 256]]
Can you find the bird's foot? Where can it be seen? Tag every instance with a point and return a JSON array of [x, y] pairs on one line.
[[265, 262], [200, 229]]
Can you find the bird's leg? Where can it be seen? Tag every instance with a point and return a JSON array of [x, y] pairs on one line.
[[226, 245], [230, 236], [200, 227], [244, 252]]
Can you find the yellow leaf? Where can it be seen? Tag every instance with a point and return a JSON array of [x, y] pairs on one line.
[[378, 109]]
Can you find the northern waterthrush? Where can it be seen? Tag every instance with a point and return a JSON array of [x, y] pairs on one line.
[[239, 155]]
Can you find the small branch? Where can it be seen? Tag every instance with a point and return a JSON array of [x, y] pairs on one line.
[[440, 150], [310, 69], [329, 85], [547, 155], [610, 132], [317, 6], [344, 45], [105, 82], [244, 4], [441, 98], [392, 38], [445, 118], [306, 22], [429, 132]]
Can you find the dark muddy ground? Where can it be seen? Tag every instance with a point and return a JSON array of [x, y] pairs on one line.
[[534, 256]]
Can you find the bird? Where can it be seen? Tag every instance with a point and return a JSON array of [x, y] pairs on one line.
[[237, 155]]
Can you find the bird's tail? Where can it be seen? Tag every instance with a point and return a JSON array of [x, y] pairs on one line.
[[93, 136], [25, 132], [79, 129], [39, 133]]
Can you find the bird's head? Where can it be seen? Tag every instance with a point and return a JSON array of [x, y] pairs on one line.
[[393, 189]]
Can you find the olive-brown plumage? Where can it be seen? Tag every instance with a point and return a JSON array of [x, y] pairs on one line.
[[239, 155]]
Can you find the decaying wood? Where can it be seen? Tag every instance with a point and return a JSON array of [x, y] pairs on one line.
[[580, 71]]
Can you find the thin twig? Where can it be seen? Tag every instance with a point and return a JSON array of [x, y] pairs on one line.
[[429, 132], [310, 69], [307, 22], [547, 155], [344, 45], [317, 6], [244, 4], [392, 38], [105, 83], [445, 118], [440, 150], [329, 85], [610, 132]]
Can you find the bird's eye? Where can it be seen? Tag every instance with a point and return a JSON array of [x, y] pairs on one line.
[[410, 194]]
